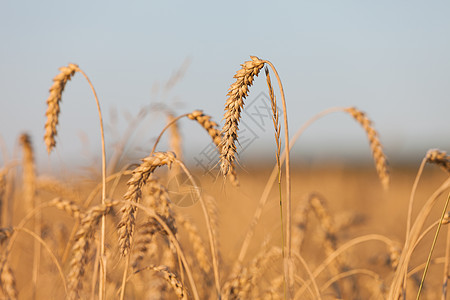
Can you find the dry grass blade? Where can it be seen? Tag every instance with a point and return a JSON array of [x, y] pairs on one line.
[[233, 106], [59, 82], [134, 194], [375, 144]]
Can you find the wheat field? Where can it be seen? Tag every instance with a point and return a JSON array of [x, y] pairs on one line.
[[159, 228]]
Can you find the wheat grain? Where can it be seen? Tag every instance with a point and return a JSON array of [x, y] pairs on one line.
[[233, 106], [375, 144], [134, 194], [53, 109]]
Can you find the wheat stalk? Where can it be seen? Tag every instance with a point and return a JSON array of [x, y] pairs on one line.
[[53, 109], [52, 114], [233, 106], [175, 140], [375, 144]]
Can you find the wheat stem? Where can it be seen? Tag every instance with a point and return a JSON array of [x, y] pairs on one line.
[[268, 187], [212, 240], [432, 247], [102, 283]]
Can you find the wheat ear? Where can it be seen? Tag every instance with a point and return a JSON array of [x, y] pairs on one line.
[[158, 199], [8, 282], [29, 181], [80, 249], [375, 144], [197, 243], [233, 106], [439, 158], [68, 206], [170, 278], [134, 194], [29, 172], [212, 128], [59, 82]]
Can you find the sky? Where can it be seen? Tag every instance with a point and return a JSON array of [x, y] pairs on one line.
[[390, 59]]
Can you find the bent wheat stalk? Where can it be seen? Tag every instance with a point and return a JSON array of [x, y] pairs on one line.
[[233, 106], [53, 109]]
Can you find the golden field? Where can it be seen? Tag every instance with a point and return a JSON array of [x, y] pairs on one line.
[[354, 199]]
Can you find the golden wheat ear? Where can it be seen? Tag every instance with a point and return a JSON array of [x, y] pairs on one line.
[[440, 158], [134, 193], [216, 136], [53, 109], [233, 106], [375, 145]]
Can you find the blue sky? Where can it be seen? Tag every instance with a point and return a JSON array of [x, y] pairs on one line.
[[388, 58]]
